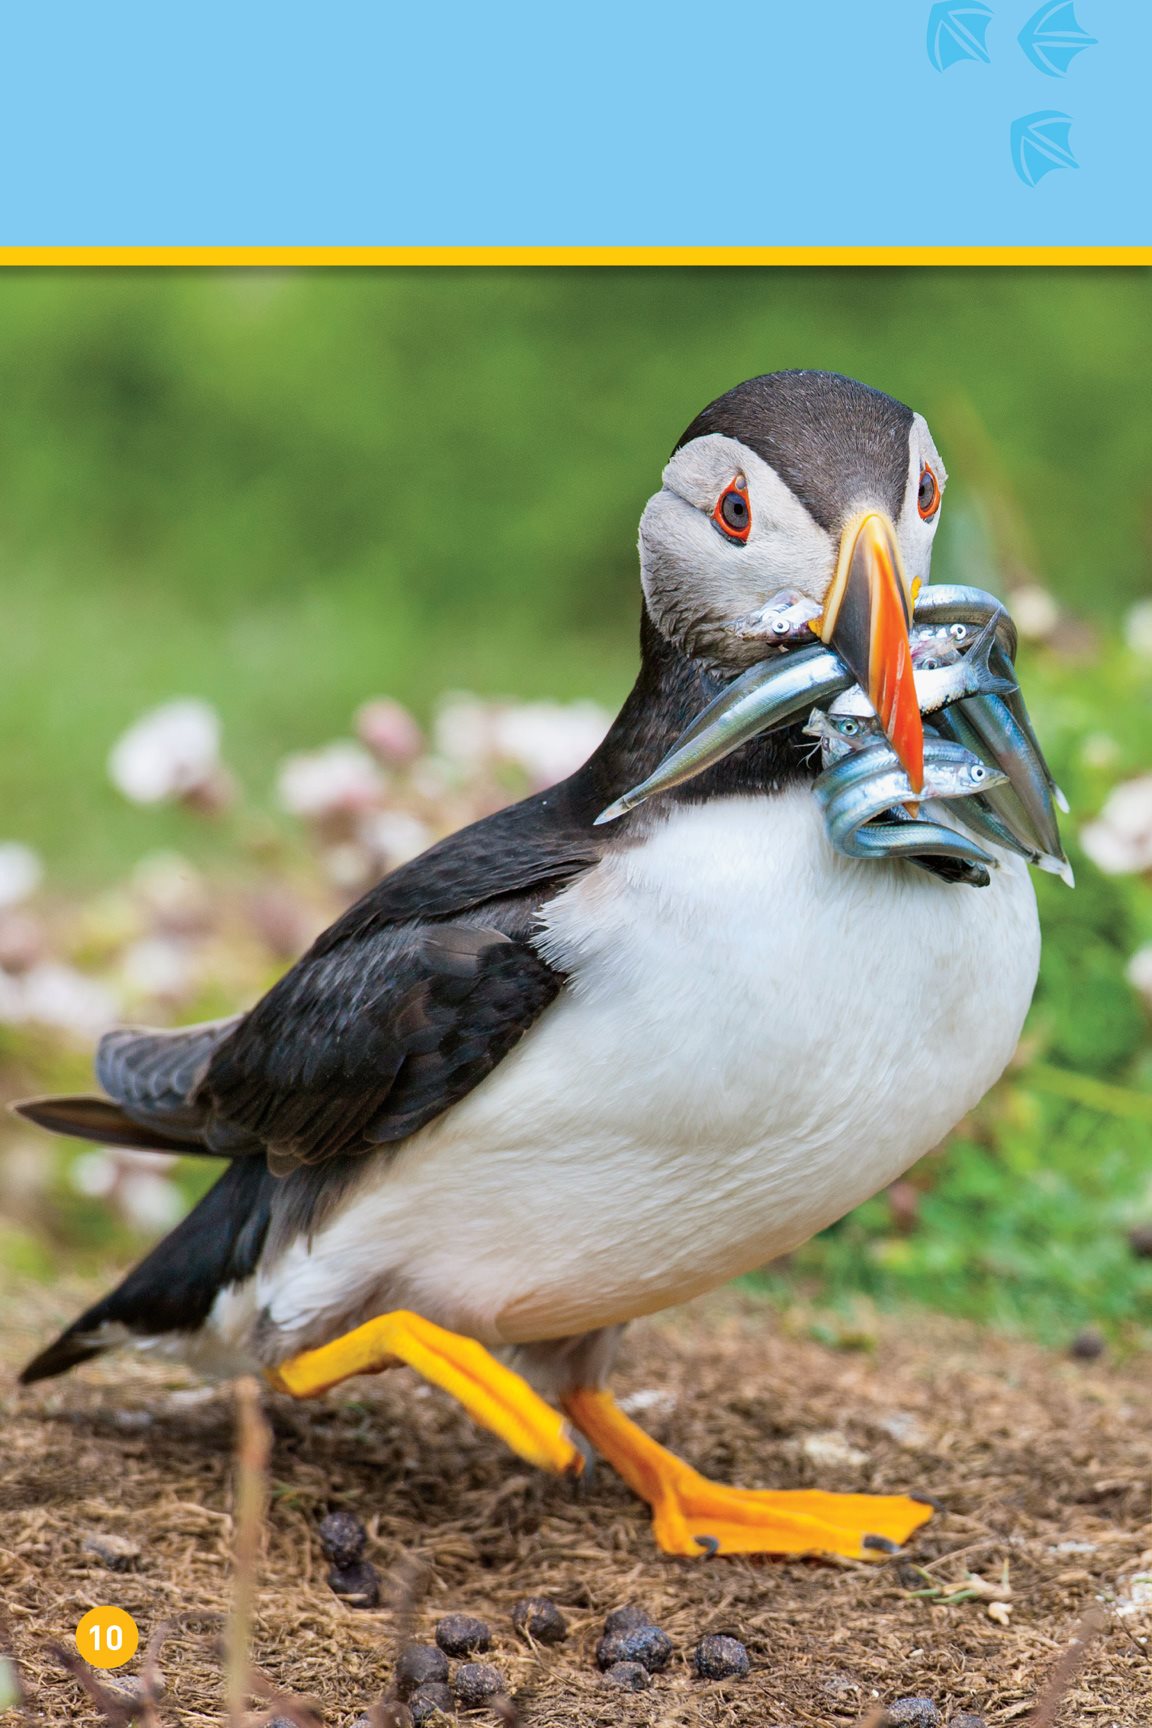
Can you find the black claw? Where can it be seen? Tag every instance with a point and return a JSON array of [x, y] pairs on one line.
[[880, 1544], [709, 1544], [928, 1500]]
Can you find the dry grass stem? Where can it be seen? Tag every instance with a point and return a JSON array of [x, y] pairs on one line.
[[253, 1447]]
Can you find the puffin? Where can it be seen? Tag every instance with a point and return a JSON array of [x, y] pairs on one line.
[[553, 1075]]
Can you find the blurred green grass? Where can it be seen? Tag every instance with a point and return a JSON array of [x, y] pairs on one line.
[[286, 493]]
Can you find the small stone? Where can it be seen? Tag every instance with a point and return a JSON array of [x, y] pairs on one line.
[[539, 1619], [475, 1683], [967, 1719], [420, 1665], [131, 1692], [462, 1634], [1088, 1345], [358, 1583], [430, 1701], [647, 1645], [626, 1619], [361, 1721], [115, 1552], [343, 1538], [1140, 1241], [912, 1713], [719, 1657], [632, 1676]]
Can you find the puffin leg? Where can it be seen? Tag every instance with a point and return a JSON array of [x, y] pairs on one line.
[[493, 1395], [693, 1515]]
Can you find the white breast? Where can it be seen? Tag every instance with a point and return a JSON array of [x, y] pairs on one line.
[[757, 1034]]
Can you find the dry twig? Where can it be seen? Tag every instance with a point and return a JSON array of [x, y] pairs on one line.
[[253, 1446]]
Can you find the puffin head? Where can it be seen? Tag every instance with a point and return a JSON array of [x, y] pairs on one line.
[[805, 481]]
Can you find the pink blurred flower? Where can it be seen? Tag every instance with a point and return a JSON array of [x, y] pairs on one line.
[[389, 731], [392, 837], [56, 995], [21, 872], [1119, 841], [336, 780], [1139, 973], [1035, 611], [172, 754], [550, 740]]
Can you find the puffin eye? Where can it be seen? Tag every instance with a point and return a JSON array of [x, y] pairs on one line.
[[733, 512], [928, 497]]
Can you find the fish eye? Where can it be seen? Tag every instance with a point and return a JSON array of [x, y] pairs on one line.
[[979, 773], [958, 632], [733, 512], [928, 496], [850, 728], [780, 627], [932, 665]]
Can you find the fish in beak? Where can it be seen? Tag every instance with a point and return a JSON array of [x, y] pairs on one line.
[[866, 619]]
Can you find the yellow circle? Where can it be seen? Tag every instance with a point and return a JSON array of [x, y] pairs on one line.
[[107, 1637]]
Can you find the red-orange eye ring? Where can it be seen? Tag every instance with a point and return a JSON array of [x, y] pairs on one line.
[[733, 512], [928, 497]]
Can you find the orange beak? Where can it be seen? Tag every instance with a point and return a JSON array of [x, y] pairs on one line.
[[866, 618]]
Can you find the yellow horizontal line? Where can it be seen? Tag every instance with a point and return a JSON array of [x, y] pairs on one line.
[[283, 257]]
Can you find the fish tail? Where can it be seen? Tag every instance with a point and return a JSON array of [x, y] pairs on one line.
[[986, 681]]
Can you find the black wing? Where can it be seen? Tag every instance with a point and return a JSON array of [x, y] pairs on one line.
[[394, 1014], [363, 1044]]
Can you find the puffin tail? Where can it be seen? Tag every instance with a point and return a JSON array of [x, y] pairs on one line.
[[90, 1117], [171, 1292]]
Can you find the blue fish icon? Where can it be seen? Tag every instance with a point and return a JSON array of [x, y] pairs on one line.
[[1052, 38], [1040, 145], [958, 30]]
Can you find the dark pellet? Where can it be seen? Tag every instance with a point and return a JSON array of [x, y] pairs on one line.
[[358, 1582], [538, 1618], [342, 1537], [633, 1676], [647, 1645], [462, 1634], [913, 1713], [719, 1657], [430, 1701], [626, 1619], [476, 1683], [420, 1665], [1087, 1345]]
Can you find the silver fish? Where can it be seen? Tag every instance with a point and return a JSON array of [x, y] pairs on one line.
[[968, 675], [783, 620], [951, 603], [986, 725], [768, 694], [932, 646], [873, 782], [839, 735], [1019, 710]]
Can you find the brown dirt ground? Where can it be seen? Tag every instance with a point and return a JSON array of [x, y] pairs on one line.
[[1043, 1467]]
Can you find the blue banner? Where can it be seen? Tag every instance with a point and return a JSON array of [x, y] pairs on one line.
[[362, 122]]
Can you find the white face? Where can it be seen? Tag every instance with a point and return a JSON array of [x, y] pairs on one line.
[[698, 577]]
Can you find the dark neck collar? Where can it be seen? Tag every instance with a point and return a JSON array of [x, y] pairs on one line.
[[670, 691]]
